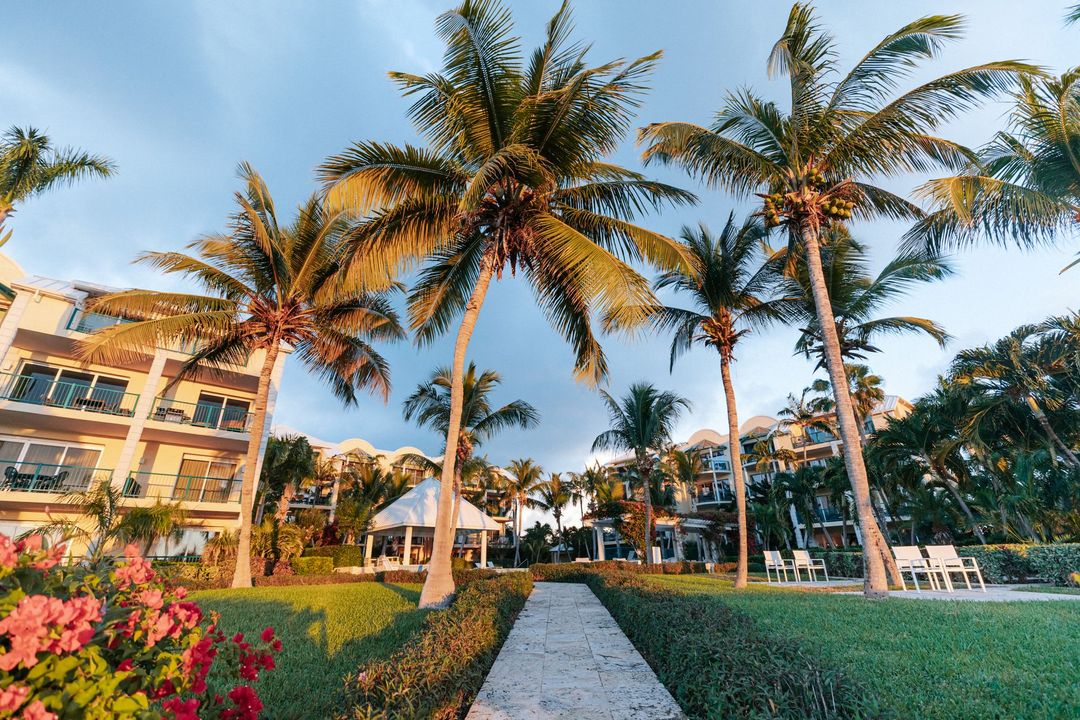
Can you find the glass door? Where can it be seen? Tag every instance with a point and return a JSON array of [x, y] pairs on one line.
[[208, 410]]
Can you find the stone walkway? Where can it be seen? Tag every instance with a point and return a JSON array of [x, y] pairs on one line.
[[566, 658]]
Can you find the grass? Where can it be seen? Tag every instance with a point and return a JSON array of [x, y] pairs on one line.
[[327, 632], [926, 659]]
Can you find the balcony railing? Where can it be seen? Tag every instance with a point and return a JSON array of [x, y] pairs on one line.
[[828, 514], [69, 395], [312, 499], [709, 496], [214, 417], [183, 488], [48, 478]]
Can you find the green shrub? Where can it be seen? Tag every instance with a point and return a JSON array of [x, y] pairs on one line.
[[746, 674], [578, 572], [342, 555], [841, 562], [438, 673], [312, 565], [1054, 563]]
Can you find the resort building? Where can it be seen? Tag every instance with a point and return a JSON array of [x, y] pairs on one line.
[[67, 425], [762, 438]]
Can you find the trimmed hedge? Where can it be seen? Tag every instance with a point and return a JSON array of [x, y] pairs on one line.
[[715, 660], [342, 555], [312, 565], [438, 673], [845, 563], [1019, 563], [577, 572]]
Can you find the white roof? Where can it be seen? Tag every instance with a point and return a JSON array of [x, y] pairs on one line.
[[419, 506]]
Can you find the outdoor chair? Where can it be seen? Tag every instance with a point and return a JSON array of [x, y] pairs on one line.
[[480, 566], [389, 563], [910, 560], [775, 561], [802, 561], [950, 562]]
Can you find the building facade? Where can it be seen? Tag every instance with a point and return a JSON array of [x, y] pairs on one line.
[[67, 425], [762, 438]]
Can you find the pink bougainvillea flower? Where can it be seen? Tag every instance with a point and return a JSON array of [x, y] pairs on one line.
[[36, 711], [12, 697]]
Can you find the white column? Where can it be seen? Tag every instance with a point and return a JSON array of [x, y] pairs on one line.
[[408, 545], [139, 415], [483, 548], [333, 497], [599, 533], [369, 548], [10, 325]]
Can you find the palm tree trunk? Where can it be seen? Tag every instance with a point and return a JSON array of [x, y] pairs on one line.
[[439, 586], [1044, 423], [242, 572], [735, 451], [517, 532], [954, 489], [875, 554], [643, 475]]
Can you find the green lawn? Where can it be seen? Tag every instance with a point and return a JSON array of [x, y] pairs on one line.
[[326, 630], [1050, 589], [928, 659]]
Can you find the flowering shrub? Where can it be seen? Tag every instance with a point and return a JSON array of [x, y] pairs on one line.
[[113, 641]]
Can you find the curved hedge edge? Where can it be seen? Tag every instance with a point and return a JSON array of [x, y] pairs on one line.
[[438, 673], [714, 659], [563, 572]]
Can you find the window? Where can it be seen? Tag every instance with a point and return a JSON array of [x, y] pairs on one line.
[[44, 466], [819, 436], [69, 388], [88, 322], [204, 480], [216, 411]]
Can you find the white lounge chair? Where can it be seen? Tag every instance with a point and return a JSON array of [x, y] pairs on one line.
[[950, 562], [775, 561], [910, 560], [389, 563], [802, 561], [490, 566]]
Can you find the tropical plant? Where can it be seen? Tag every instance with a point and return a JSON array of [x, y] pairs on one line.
[[271, 286], [856, 296], [31, 165], [806, 414], [815, 163], [552, 495], [514, 176], [288, 466], [1024, 185], [147, 525], [731, 283], [801, 487], [866, 394], [641, 423], [525, 477]]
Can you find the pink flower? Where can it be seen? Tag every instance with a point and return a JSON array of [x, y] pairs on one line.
[[36, 711], [39, 623], [12, 697], [267, 634], [182, 709], [9, 555], [136, 571]]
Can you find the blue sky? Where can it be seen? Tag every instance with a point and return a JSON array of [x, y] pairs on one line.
[[178, 93]]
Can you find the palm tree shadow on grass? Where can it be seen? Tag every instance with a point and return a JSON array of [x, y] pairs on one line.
[[308, 681]]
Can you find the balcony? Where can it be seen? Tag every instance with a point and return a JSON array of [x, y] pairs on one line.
[[213, 417], [68, 395], [828, 514], [707, 496], [182, 488], [312, 499], [31, 477]]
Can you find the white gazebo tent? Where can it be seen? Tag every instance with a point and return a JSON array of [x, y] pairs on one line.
[[415, 512]]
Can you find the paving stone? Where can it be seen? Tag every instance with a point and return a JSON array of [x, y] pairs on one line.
[[567, 658]]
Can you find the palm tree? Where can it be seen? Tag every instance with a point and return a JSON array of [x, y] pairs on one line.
[[288, 463], [815, 164], [30, 165], [270, 286], [431, 404], [525, 477], [149, 524], [806, 414], [1016, 370], [801, 486], [641, 423], [731, 285], [552, 495], [866, 393], [856, 296], [1024, 185], [514, 176]]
